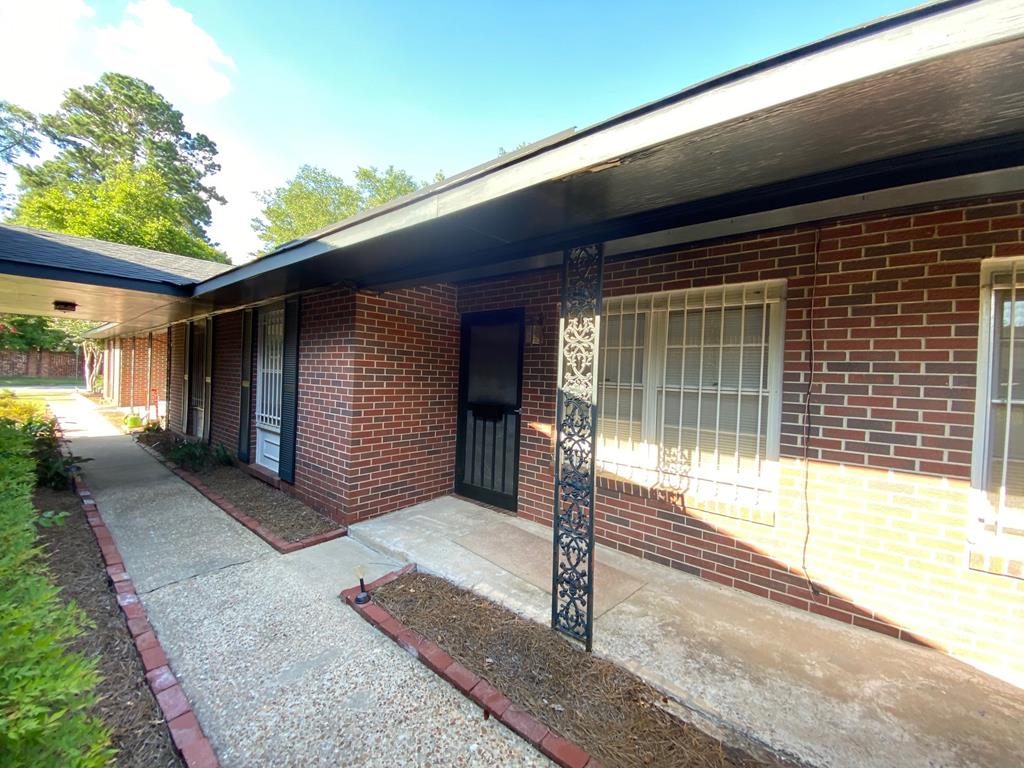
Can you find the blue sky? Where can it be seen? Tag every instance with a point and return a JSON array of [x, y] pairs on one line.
[[423, 86]]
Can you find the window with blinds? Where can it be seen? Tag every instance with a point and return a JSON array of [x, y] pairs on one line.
[[999, 432], [269, 368], [689, 389]]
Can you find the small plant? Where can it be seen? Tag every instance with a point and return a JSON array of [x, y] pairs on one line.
[[223, 456], [191, 454], [50, 519], [153, 428]]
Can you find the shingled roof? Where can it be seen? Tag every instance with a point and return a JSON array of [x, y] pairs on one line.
[[39, 248]]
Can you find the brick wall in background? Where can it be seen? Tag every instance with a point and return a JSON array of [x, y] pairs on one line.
[[176, 374], [891, 416], [19, 362], [140, 384], [227, 376]]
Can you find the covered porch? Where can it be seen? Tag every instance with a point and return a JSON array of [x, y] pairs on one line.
[[771, 676]]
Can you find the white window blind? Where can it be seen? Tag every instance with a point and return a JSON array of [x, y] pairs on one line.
[[999, 458], [689, 390], [270, 367]]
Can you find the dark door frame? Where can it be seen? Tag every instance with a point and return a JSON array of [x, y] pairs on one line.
[[487, 496]]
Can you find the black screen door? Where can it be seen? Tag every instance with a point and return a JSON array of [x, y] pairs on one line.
[[490, 395]]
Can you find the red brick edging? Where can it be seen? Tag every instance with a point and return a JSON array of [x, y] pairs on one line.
[[186, 733], [562, 751], [281, 545]]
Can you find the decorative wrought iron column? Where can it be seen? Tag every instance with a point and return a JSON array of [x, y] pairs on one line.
[[572, 588]]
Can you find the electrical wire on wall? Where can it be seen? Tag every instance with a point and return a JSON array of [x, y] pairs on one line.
[[807, 414]]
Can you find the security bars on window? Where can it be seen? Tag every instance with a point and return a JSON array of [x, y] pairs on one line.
[[1004, 465], [689, 390], [270, 368]]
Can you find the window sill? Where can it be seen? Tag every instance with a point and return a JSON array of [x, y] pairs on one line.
[[760, 515], [999, 558]]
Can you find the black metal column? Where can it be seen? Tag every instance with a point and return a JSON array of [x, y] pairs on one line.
[[572, 588]]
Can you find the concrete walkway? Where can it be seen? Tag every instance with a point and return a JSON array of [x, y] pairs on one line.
[[805, 687], [279, 671]]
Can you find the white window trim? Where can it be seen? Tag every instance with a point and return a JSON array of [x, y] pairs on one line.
[[981, 508], [273, 425], [708, 483]]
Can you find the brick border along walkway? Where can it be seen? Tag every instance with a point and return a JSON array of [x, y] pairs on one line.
[[281, 545], [562, 751], [186, 733]]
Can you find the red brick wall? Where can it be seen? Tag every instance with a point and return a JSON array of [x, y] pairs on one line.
[[377, 394], [20, 362], [895, 344], [143, 387], [227, 375], [175, 379]]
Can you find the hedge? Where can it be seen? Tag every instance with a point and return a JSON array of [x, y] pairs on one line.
[[45, 689]]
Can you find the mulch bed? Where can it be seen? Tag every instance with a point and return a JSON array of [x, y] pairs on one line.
[[285, 515], [607, 711], [126, 704]]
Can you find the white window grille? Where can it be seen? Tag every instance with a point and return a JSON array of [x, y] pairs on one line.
[[690, 390], [998, 468], [270, 368]]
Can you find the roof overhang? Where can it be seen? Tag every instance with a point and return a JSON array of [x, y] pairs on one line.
[[932, 94], [924, 106]]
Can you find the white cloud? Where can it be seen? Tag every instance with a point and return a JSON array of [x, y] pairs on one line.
[[48, 46], [165, 47], [44, 50]]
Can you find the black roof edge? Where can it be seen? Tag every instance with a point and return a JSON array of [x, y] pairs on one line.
[[853, 33], [44, 272]]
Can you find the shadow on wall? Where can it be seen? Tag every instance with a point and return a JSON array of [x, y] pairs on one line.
[[877, 549]]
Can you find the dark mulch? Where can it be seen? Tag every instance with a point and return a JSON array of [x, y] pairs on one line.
[[609, 712], [285, 515], [126, 704]]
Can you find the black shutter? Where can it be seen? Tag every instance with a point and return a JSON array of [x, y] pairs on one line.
[[289, 391], [245, 394], [185, 384], [208, 383]]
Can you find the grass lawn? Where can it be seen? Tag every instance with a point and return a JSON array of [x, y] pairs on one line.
[[39, 381]]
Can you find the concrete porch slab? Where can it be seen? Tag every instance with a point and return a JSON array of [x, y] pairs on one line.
[[805, 687], [528, 556]]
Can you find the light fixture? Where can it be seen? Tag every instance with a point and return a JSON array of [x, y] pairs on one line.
[[64, 306], [363, 597]]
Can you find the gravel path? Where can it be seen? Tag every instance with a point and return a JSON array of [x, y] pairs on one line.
[[279, 671]]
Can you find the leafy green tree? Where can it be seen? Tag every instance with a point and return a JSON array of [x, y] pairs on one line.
[[57, 334], [18, 136], [123, 120], [125, 170], [311, 200], [131, 205], [316, 198]]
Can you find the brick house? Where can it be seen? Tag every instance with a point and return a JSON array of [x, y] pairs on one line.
[[809, 357]]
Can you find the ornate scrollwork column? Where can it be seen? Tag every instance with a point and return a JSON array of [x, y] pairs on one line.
[[572, 589]]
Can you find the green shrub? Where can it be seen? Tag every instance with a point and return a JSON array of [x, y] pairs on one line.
[[45, 690], [20, 410], [223, 456], [53, 466], [191, 454]]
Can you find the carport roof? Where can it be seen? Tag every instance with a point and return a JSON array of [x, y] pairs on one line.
[[38, 253]]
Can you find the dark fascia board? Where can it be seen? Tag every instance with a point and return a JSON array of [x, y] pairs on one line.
[[881, 46], [45, 272]]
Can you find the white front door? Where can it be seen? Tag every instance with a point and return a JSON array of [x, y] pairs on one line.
[[268, 386]]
